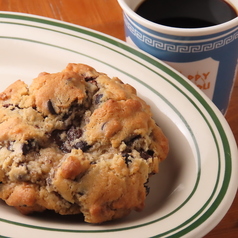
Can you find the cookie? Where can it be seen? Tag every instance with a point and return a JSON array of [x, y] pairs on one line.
[[75, 142]]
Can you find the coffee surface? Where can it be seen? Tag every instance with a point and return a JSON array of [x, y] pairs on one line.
[[186, 13]]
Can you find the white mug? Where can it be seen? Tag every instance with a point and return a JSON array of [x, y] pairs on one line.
[[207, 56]]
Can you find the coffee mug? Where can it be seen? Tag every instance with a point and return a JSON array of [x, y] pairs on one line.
[[205, 50]]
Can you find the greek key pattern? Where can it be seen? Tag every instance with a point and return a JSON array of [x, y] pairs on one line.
[[180, 48]]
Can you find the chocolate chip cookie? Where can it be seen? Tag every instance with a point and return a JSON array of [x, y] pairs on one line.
[[77, 141]]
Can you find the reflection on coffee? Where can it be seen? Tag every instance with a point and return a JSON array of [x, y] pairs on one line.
[[186, 13]]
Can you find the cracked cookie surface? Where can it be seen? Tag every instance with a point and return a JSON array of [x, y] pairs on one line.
[[75, 142]]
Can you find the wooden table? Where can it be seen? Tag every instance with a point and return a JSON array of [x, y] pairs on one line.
[[106, 16]]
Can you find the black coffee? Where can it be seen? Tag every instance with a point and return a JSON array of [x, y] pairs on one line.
[[186, 13]]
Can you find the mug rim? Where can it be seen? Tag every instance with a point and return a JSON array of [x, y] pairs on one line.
[[176, 30]]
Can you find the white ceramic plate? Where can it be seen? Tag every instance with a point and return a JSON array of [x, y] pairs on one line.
[[196, 184]]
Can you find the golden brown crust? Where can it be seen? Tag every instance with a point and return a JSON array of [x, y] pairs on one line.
[[77, 141]]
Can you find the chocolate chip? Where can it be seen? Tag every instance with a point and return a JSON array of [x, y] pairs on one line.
[[129, 141], [146, 154], [25, 149], [12, 106], [70, 136], [7, 105], [98, 98], [28, 146], [126, 151], [65, 149], [55, 136], [51, 108], [147, 189], [76, 108], [10, 145], [21, 177], [93, 162], [89, 79], [126, 156], [103, 125], [150, 152], [83, 145], [74, 133]]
